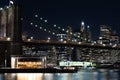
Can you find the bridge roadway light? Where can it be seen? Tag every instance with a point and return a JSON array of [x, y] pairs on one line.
[[8, 39], [104, 45], [92, 43], [48, 39], [28, 39], [79, 42], [65, 42]]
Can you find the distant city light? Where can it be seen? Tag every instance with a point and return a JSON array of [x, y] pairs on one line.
[[31, 23], [88, 26], [49, 31], [54, 25], [45, 20], [61, 40], [63, 29], [31, 37], [53, 33], [7, 7], [65, 41], [36, 15], [82, 23], [104, 45], [58, 27], [49, 38], [44, 29], [41, 18], [40, 27], [21, 19], [36, 25]]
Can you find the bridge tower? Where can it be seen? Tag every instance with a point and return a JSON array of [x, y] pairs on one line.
[[12, 30]]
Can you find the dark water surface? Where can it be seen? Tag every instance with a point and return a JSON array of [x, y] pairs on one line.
[[101, 74]]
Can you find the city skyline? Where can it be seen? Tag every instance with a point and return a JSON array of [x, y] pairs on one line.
[[69, 13]]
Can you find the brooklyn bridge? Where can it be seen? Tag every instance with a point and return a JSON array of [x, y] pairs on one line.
[[60, 44]]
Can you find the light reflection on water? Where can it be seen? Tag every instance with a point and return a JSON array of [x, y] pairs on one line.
[[81, 75]]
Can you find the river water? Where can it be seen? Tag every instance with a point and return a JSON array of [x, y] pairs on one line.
[[101, 74]]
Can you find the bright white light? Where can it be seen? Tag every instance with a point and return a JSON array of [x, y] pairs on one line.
[[65, 41], [61, 40], [1, 8], [28, 39], [104, 45], [88, 26], [110, 43], [31, 37], [8, 39], [45, 20], [115, 45], [11, 2], [101, 42], [40, 27], [36, 25], [95, 42], [7, 7], [21, 19], [58, 27], [53, 33], [54, 25], [100, 37], [41, 18], [63, 29], [82, 23], [31, 23], [36, 15], [48, 38], [49, 31], [75, 40], [44, 29], [79, 42]]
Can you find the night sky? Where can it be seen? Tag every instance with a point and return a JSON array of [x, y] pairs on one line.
[[71, 12]]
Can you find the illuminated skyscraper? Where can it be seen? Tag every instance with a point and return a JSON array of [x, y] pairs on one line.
[[69, 34]]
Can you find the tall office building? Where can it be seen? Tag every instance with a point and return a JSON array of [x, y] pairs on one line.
[[107, 36], [69, 34], [85, 33]]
